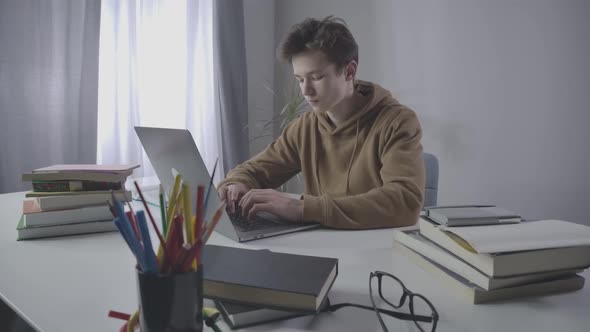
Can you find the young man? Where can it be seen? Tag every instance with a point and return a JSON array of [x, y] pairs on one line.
[[359, 149]]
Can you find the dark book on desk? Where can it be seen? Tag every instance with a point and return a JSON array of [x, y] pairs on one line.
[[28, 233], [75, 185], [476, 295], [472, 215], [266, 278], [238, 316], [508, 263], [67, 193]]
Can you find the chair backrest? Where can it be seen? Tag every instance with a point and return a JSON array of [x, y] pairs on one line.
[[431, 183]]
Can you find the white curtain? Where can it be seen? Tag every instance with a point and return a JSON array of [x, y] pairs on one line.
[[155, 69], [48, 86]]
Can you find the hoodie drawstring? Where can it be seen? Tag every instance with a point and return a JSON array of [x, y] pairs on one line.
[[356, 141]]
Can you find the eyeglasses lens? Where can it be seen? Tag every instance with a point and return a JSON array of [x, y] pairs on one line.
[[392, 291], [419, 307]]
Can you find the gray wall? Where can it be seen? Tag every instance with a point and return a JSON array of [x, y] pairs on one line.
[[500, 88]]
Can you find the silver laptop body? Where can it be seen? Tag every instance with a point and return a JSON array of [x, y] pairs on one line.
[[169, 149]]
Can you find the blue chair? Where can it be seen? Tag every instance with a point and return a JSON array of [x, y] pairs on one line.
[[431, 183]]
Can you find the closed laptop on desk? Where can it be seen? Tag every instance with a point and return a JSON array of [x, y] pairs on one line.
[[266, 278]]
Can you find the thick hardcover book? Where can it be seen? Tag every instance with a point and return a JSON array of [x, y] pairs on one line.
[[529, 235], [34, 216], [81, 172], [476, 295], [28, 233], [77, 176], [65, 193], [423, 246], [59, 202], [508, 263], [71, 168], [238, 316], [269, 279], [472, 215]]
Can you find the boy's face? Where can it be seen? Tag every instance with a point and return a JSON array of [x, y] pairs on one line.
[[321, 84]]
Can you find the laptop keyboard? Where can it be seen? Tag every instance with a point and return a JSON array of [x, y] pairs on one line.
[[246, 225]]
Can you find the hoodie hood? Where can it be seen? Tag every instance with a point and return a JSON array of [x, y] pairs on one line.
[[375, 98]]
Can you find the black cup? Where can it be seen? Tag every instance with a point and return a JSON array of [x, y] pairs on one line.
[[171, 303]]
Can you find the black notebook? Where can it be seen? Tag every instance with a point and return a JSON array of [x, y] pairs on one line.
[[266, 278]]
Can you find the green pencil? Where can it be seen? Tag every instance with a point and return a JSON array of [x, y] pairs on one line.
[[163, 211]]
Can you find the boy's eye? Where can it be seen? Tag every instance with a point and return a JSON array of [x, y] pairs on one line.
[[319, 77]]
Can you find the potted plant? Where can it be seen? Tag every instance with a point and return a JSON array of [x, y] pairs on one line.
[[293, 105]]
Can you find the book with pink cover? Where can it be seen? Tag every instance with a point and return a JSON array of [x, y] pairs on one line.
[[126, 168]]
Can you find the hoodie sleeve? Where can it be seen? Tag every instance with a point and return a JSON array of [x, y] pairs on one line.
[[397, 202], [272, 167]]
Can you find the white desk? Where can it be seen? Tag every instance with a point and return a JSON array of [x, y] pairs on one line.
[[69, 284]]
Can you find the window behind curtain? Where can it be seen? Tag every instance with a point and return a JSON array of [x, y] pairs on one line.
[[155, 69]]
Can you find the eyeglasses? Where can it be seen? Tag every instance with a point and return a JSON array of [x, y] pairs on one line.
[[393, 292]]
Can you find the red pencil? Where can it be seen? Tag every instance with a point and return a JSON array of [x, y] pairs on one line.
[[172, 245], [190, 257], [178, 266], [200, 242], [131, 217]]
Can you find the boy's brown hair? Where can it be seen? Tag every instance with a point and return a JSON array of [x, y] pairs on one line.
[[330, 35]]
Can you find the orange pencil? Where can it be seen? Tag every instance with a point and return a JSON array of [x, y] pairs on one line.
[[214, 221]]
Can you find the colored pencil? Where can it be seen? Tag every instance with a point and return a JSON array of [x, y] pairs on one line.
[[163, 210], [209, 188], [149, 214]]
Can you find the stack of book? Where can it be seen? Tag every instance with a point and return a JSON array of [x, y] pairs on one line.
[[71, 199], [252, 287], [496, 261]]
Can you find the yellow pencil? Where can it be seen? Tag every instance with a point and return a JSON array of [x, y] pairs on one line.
[[170, 214], [188, 213], [173, 195]]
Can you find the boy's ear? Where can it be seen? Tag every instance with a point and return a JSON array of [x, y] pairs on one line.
[[350, 70]]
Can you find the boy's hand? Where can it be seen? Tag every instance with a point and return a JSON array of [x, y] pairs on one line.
[[232, 193], [272, 201]]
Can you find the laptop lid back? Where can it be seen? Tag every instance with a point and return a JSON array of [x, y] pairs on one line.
[[170, 149]]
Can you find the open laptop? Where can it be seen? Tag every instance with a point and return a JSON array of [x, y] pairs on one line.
[[170, 149]]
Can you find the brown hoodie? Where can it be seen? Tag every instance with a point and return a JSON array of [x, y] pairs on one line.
[[367, 172]]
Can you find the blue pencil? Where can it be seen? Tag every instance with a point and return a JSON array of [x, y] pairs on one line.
[[132, 242], [150, 257]]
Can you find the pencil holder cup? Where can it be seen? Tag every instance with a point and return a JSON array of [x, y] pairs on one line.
[[171, 303]]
